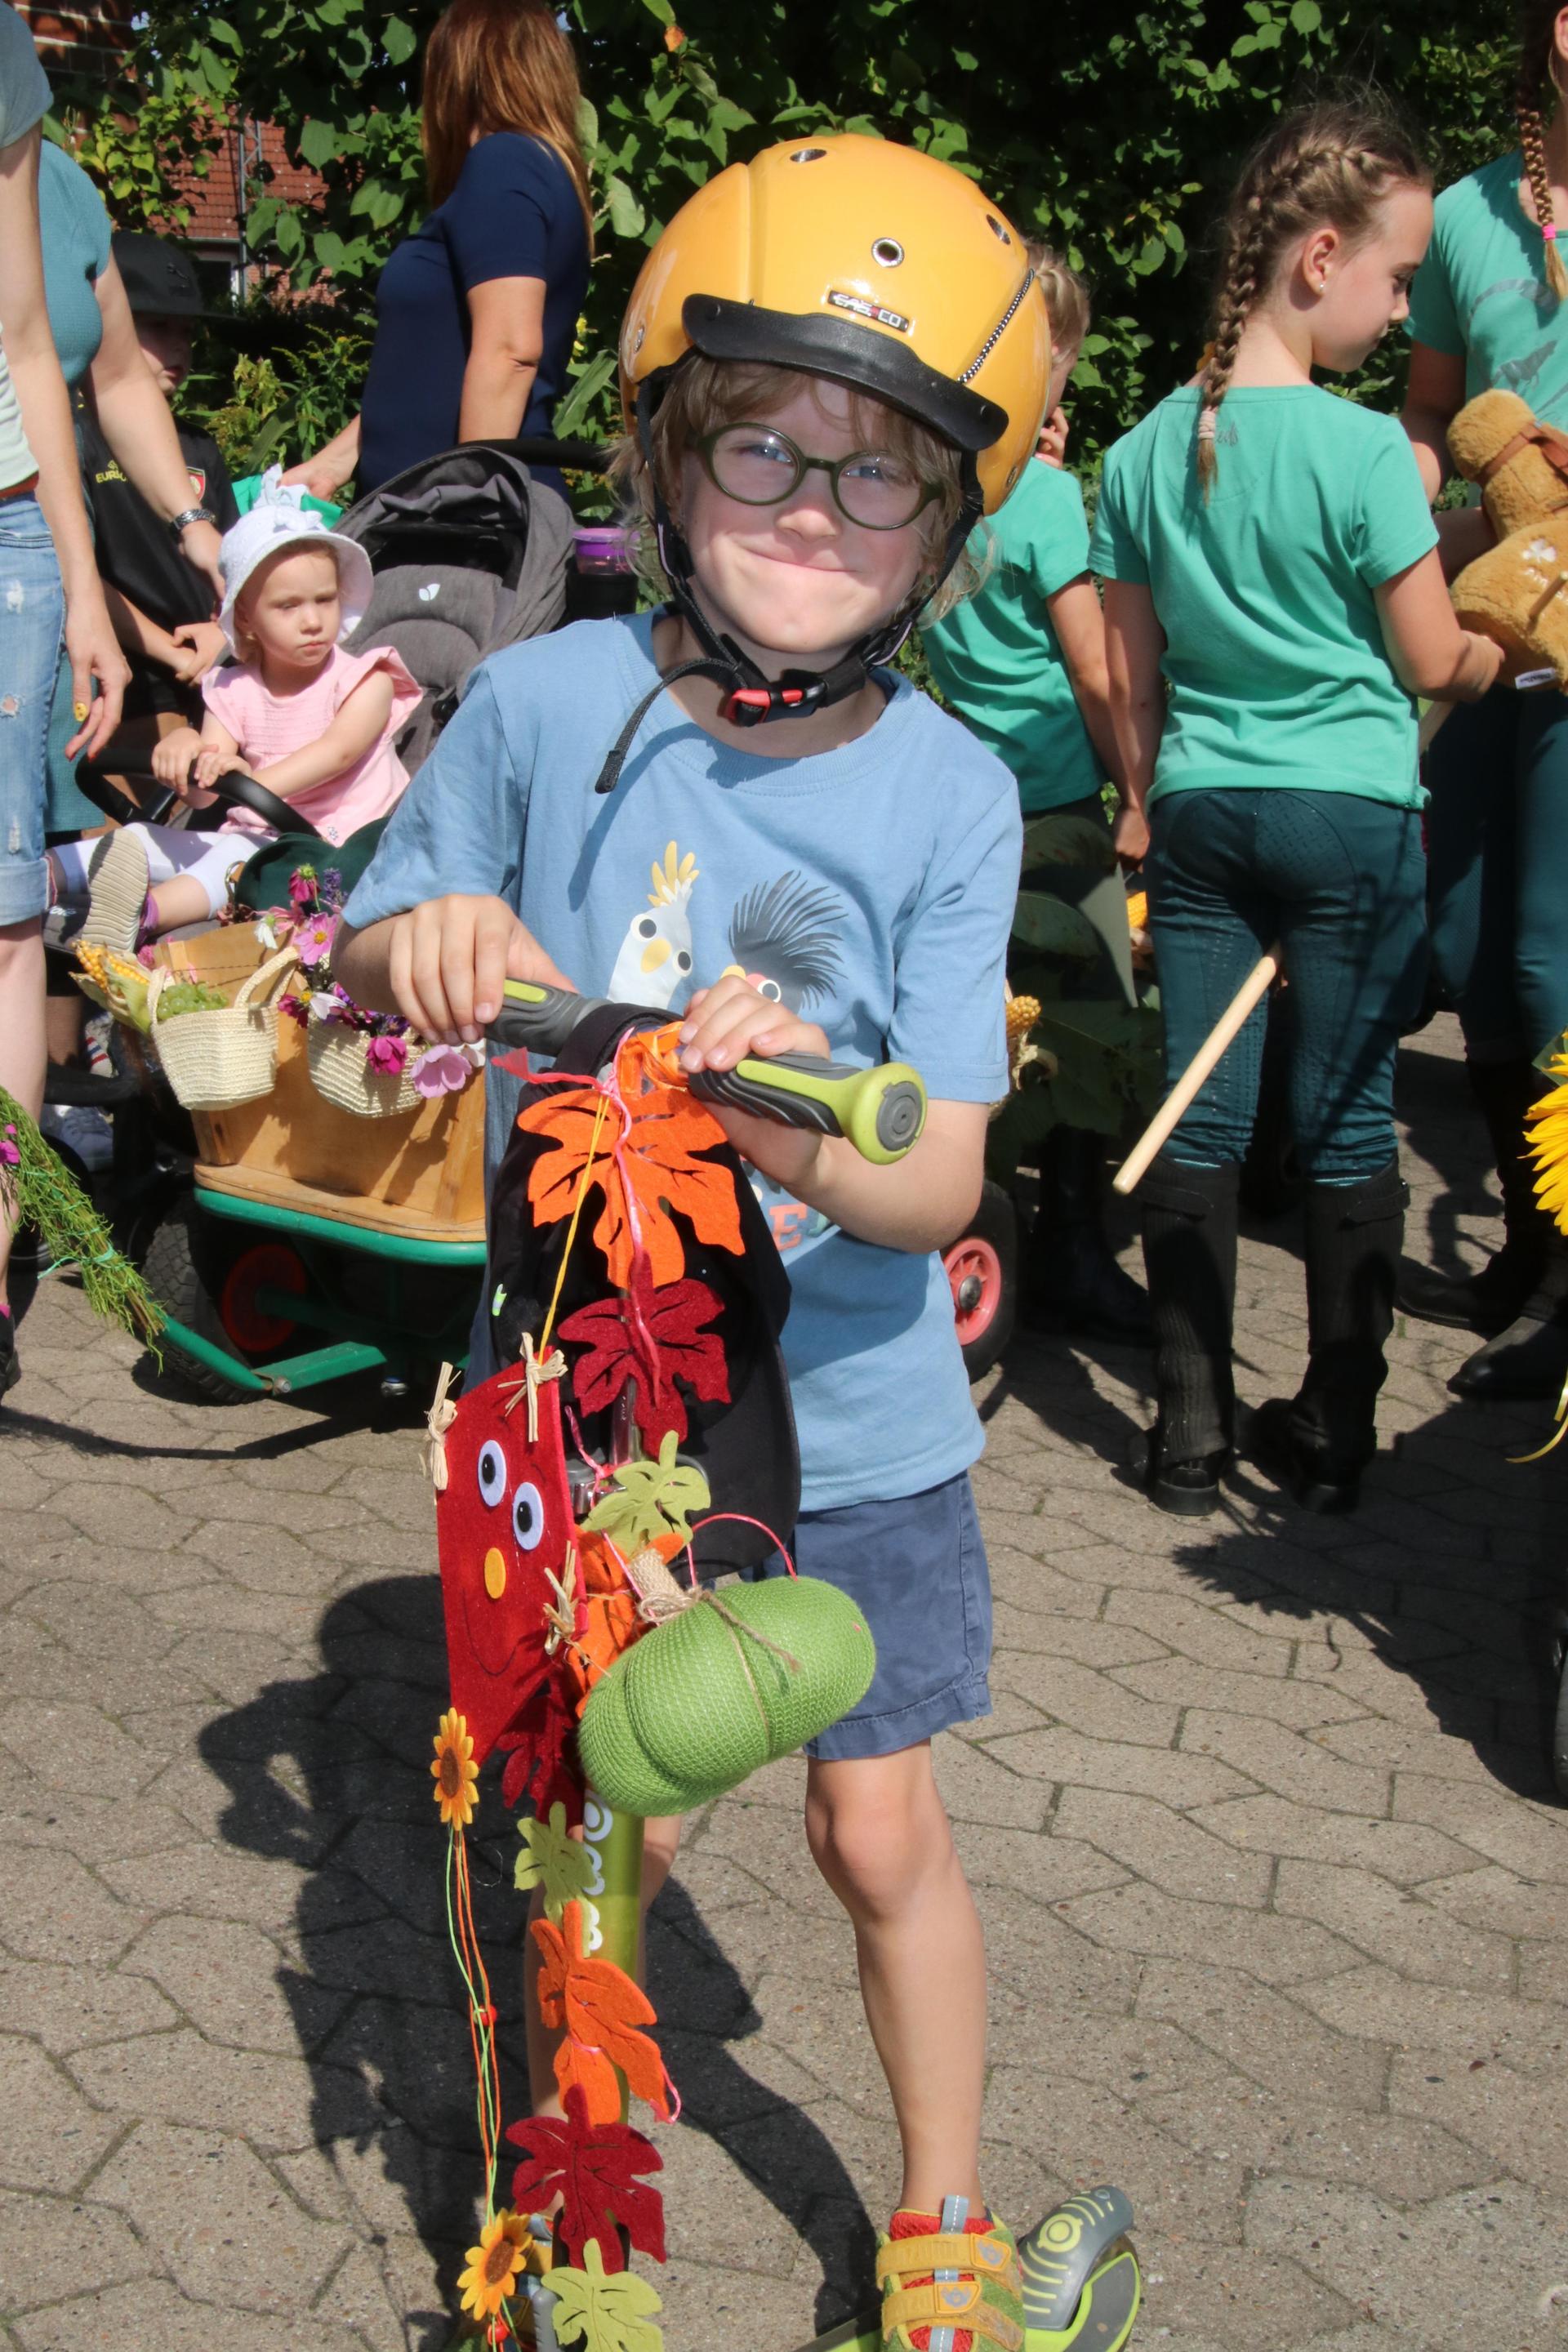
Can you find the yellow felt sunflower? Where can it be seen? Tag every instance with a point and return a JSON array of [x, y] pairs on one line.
[[455, 1773], [494, 2263], [1549, 1143]]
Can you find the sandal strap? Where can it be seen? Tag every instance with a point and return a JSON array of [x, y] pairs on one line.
[[954, 2303], [965, 2251]]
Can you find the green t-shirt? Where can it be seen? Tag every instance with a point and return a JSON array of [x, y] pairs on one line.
[[24, 100], [74, 230], [1274, 653], [1482, 293], [998, 660]]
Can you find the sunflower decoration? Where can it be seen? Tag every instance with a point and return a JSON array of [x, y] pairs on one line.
[[455, 1773], [494, 2263], [1548, 1145]]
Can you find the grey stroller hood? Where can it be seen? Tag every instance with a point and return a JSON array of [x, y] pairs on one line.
[[469, 553]]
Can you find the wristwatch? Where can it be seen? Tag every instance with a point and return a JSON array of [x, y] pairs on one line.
[[183, 522]]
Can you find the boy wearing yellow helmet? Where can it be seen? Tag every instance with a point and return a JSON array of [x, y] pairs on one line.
[[836, 360]]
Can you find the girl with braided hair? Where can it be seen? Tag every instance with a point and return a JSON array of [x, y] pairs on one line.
[[1268, 547], [1488, 309]]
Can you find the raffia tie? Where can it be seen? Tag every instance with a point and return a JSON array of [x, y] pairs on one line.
[[536, 1371], [443, 1413], [660, 1598]]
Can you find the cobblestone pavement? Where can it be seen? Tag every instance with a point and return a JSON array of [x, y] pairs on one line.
[[1276, 1893]]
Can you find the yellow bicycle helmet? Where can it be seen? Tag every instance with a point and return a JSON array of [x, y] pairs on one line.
[[880, 268]]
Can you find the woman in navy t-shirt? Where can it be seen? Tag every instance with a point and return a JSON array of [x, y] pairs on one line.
[[475, 312]]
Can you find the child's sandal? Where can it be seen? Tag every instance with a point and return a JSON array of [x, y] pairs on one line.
[[982, 2305], [116, 894]]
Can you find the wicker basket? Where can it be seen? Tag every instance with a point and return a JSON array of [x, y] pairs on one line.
[[214, 1060], [340, 1071]]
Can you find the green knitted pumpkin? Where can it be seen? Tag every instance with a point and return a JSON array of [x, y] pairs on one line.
[[696, 1706]]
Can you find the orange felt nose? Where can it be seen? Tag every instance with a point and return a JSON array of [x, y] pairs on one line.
[[495, 1573]]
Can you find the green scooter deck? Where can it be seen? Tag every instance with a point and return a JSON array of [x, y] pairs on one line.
[[1102, 2322]]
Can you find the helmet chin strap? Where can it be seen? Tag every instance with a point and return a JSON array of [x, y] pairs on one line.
[[753, 698]]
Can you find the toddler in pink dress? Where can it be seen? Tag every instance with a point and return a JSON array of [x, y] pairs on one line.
[[313, 723]]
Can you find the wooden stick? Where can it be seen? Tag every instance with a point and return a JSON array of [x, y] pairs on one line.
[[1136, 1167], [1433, 719]]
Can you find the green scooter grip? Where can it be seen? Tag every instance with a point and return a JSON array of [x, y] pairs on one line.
[[881, 1111]]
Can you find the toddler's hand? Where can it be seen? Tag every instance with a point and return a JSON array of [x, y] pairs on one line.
[[449, 959], [211, 763], [723, 1024], [173, 755]]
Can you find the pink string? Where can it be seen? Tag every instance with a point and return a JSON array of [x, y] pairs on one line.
[[743, 1519]]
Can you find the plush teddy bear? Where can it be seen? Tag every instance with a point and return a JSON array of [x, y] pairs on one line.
[[1517, 593]]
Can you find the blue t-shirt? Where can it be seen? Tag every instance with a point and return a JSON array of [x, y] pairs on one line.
[[514, 213], [74, 230], [873, 885]]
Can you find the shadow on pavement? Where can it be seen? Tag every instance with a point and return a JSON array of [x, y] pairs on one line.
[[331, 1773]]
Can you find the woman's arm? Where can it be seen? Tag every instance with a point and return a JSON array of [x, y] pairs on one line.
[[1430, 653], [360, 720], [507, 318], [139, 426], [45, 404], [1134, 648], [1079, 620], [325, 474]]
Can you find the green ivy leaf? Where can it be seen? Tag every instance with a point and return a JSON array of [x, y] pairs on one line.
[[627, 217], [318, 141], [399, 40], [1306, 15]]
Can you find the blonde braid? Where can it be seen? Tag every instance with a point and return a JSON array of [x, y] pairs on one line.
[[1324, 164]]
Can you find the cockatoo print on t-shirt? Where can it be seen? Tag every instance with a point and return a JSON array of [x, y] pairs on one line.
[[654, 959]]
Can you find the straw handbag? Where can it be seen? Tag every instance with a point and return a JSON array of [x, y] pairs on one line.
[[340, 1072], [215, 1060]]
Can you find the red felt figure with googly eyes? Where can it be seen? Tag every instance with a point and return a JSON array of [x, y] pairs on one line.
[[504, 1528]]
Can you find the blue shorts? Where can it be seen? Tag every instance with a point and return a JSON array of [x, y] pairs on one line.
[[32, 612], [916, 1567]]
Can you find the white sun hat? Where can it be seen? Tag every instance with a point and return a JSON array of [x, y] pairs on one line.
[[277, 521]]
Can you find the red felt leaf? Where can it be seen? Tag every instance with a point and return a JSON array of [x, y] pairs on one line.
[[603, 2014], [670, 1344], [592, 2168], [539, 1749]]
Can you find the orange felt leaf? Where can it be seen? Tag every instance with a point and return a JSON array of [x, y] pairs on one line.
[[655, 1164], [603, 2013]]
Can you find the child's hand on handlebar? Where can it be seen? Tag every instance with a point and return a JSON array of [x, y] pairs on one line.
[[449, 959], [173, 755], [212, 763], [722, 1026]]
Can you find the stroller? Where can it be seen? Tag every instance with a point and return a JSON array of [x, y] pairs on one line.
[[293, 1242]]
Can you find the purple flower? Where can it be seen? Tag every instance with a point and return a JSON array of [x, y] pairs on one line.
[[314, 941], [442, 1070], [386, 1055], [10, 1149]]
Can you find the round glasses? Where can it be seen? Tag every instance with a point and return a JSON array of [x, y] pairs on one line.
[[760, 466]]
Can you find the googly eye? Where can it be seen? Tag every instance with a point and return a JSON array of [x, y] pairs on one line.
[[492, 1474], [528, 1516]]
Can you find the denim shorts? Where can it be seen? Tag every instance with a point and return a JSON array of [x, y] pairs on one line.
[[32, 615], [916, 1569]]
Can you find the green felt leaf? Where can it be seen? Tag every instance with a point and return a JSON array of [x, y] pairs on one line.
[[558, 1863], [604, 2312], [651, 1498]]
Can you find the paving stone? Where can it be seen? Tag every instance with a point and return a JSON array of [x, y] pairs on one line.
[[1516, 2119], [1297, 1705], [57, 1910], [1510, 1906], [1280, 1760], [52, 2138], [48, 2243], [1140, 1918], [1234, 2296], [1174, 1777], [274, 2102], [1248, 2024], [1384, 2006], [1401, 1851], [70, 1745], [1045, 1869], [1406, 2159], [1089, 1702], [234, 1985], [69, 2008], [229, 2232], [1395, 1927], [1163, 1847], [1520, 1837], [155, 2318]]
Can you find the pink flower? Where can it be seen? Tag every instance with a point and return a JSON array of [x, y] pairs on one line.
[[10, 1149], [302, 887], [442, 1070], [386, 1055], [314, 941]]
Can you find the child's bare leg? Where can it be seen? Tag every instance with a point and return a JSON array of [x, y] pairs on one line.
[[183, 900], [880, 1836], [661, 1842]]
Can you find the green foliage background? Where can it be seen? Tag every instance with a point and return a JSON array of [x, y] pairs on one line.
[[1108, 127]]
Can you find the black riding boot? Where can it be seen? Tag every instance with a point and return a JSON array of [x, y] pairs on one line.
[[1488, 1301], [1073, 1281], [1318, 1442], [1189, 1252], [1530, 1359]]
